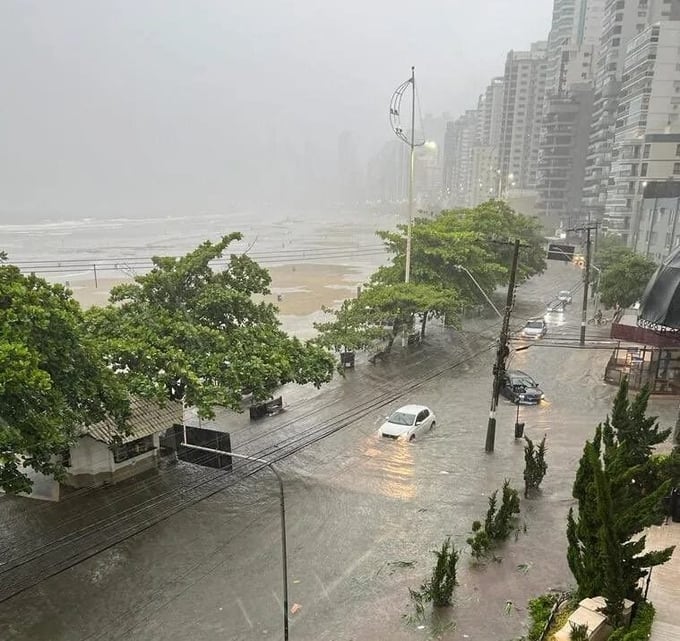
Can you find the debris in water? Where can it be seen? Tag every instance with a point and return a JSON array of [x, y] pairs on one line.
[[401, 564], [295, 608]]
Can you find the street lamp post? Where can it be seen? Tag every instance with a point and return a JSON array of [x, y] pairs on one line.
[[395, 114], [282, 504], [488, 300], [284, 549]]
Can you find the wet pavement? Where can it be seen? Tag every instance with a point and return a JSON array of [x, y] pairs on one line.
[[362, 514]]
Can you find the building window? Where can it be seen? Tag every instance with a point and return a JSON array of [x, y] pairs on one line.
[[643, 169], [133, 448], [677, 150], [645, 152], [676, 168]]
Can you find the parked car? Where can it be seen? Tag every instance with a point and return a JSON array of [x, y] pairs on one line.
[[564, 296], [408, 422], [519, 387], [555, 307], [535, 328]]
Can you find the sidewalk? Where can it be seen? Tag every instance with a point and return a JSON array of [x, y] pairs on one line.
[[664, 586]]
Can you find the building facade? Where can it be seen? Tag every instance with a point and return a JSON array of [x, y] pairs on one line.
[[562, 156], [524, 91], [622, 21], [658, 229], [649, 106], [459, 142], [486, 171]]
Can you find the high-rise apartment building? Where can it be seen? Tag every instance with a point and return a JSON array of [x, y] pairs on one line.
[[561, 164], [567, 110], [623, 20], [647, 124], [524, 91], [459, 141], [574, 34], [387, 173], [485, 153]]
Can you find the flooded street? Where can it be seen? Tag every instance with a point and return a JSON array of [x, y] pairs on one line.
[[363, 513]]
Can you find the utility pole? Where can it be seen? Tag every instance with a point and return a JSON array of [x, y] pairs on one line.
[[586, 278], [502, 351]]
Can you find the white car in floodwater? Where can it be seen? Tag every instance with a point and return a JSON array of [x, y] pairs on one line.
[[408, 422]]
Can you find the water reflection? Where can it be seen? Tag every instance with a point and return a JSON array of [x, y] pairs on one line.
[[391, 463]]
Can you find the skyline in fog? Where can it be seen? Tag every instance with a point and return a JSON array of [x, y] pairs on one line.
[[133, 108]]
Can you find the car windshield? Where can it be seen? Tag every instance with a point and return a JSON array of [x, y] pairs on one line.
[[402, 418], [524, 382], [537, 324], [564, 293]]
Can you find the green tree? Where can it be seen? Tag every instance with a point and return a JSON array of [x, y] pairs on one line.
[[616, 502], [608, 250], [535, 466], [53, 379], [624, 279], [187, 331], [439, 589], [383, 311], [474, 238]]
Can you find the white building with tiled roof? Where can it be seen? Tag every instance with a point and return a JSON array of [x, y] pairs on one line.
[[103, 455]]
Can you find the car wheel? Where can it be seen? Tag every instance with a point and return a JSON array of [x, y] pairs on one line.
[[412, 438], [434, 424]]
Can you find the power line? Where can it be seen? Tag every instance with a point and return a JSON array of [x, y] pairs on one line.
[[274, 453]]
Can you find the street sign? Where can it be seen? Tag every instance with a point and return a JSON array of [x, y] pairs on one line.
[[564, 253]]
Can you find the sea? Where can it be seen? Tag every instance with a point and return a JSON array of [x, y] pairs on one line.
[[68, 248]]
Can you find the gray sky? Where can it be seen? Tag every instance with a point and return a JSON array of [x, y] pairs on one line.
[[130, 107]]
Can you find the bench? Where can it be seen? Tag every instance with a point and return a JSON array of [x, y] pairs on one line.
[[413, 339], [347, 359], [267, 408], [378, 356]]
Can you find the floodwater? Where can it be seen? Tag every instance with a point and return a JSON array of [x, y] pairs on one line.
[[362, 514]]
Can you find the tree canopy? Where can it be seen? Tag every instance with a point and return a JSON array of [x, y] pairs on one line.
[[382, 311], [53, 379], [478, 239], [188, 331], [624, 276]]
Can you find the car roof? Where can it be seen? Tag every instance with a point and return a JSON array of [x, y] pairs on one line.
[[565, 291], [411, 409], [534, 320]]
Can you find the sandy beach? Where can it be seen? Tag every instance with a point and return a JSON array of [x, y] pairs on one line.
[[300, 291]]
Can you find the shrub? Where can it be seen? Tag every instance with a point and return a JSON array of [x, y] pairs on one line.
[[438, 590], [535, 466], [578, 632], [498, 523], [539, 611], [640, 627]]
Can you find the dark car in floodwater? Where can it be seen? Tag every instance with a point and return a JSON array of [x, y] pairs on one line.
[[519, 387]]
